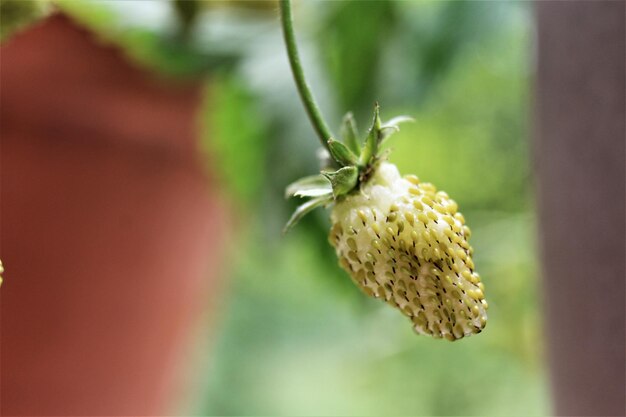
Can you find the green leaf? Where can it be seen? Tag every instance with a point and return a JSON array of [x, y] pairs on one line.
[[370, 147], [305, 208], [341, 153], [311, 186], [343, 180], [350, 134]]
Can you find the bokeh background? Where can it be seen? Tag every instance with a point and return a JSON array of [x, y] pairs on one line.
[[290, 333]]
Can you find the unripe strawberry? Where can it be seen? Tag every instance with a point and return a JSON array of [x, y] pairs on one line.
[[404, 242], [399, 239]]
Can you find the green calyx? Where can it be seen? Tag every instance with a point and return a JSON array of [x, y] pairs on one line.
[[356, 160]]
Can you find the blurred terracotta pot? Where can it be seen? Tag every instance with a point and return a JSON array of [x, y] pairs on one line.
[[111, 231]]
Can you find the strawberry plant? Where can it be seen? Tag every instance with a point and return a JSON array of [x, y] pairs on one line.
[[399, 239]]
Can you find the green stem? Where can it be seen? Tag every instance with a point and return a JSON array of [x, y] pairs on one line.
[[320, 126]]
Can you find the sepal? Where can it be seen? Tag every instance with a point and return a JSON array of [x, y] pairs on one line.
[[394, 122], [370, 146], [343, 180], [357, 164], [341, 153], [305, 208], [350, 134], [390, 127], [312, 186]]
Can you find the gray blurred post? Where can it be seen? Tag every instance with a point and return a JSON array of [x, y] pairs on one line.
[[580, 160]]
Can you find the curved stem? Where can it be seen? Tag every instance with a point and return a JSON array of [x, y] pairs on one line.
[[320, 126]]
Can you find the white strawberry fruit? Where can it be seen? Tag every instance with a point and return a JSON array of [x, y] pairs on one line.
[[403, 242], [399, 239]]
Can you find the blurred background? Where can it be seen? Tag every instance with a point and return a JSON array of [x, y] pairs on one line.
[[294, 336], [286, 331]]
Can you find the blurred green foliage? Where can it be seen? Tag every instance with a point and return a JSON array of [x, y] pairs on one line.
[[18, 14], [352, 38], [168, 48], [232, 124], [297, 337], [293, 334]]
